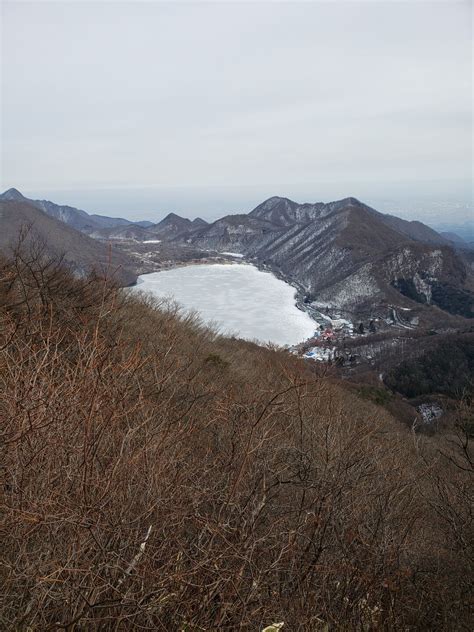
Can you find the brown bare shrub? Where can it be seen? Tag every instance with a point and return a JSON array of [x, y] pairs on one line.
[[158, 477]]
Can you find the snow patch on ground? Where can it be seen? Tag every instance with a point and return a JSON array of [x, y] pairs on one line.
[[232, 254], [422, 287], [350, 291], [319, 354], [430, 412]]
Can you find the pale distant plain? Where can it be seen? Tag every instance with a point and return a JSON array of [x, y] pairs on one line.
[[238, 299]]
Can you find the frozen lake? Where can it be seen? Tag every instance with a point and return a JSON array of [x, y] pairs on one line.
[[239, 299]]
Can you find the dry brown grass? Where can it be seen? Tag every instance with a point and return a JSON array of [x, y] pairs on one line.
[[158, 477]]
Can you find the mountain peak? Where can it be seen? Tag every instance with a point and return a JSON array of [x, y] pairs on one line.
[[274, 200], [352, 201], [170, 226], [173, 217], [12, 194]]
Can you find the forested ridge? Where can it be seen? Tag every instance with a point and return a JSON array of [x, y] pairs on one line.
[[447, 368]]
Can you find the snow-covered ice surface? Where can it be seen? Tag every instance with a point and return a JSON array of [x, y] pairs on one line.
[[240, 299], [232, 254]]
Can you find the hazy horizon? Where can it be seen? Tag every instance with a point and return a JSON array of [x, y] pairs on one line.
[[201, 108]]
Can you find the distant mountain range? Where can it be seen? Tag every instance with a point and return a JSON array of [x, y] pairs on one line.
[[461, 230], [344, 253], [77, 218], [458, 241], [169, 228]]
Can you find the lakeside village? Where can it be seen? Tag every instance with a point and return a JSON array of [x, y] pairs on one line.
[[335, 338], [329, 333]]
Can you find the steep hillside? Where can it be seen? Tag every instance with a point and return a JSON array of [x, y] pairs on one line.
[[157, 477], [81, 252], [413, 229]]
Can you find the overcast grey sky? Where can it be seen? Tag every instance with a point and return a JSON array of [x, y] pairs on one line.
[[139, 108]]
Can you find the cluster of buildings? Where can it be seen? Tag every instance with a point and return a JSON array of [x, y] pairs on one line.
[[322, 345], [325, 337], [343, 342]]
